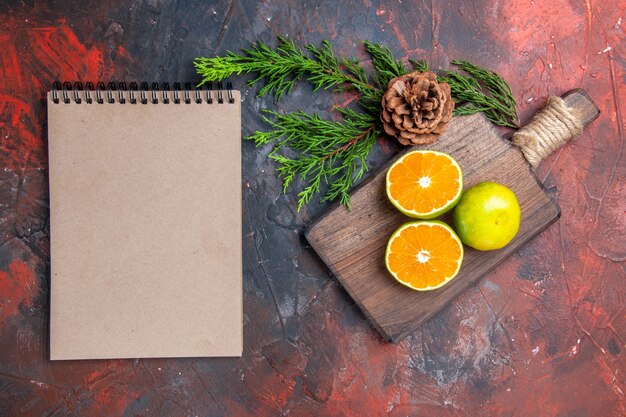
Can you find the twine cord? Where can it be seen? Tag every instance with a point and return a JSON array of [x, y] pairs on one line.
[[551, 128]]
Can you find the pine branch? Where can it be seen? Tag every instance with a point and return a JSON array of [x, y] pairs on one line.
[[496, 86], [385, 65], [327, 152], [421, 66], [497, 103], [282, 67]]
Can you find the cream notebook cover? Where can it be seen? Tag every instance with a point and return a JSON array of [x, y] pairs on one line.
[[145, 225]]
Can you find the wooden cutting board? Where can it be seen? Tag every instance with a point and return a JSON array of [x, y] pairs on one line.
[[352, 243]]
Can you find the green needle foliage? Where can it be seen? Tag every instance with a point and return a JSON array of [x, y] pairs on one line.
[[385, 65], [328, 156], [325, 151], [481, 91], [282, 67]]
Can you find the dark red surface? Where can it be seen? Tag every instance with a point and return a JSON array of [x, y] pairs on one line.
[[543, 335]]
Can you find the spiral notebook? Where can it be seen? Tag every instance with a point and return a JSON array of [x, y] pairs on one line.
[[145, 222]]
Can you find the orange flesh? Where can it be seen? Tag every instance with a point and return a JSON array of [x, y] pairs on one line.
[[405, 185], [440, 254]]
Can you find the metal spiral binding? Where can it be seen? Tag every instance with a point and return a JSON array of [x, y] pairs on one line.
[[176, 89], [131, 93], [142, 92], [110, 89], [67, 87], [78, 86], [120, 92], [99, 89], [186, 92], [88, 90], [220, 98], [155, 93]]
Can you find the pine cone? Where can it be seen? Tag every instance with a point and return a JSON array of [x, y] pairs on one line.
[[416, 108]]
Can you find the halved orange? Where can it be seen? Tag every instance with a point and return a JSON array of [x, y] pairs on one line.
[[424, 184], [424, 255]]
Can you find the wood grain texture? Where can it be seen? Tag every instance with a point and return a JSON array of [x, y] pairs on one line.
[[352, 243], [579, 99]]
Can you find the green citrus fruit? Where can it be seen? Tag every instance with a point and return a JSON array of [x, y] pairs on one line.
[[487, 217]]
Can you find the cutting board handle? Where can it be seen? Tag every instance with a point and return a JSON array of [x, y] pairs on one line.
[[560, 120]]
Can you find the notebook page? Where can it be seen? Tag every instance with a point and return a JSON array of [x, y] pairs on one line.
[[145, 223]]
